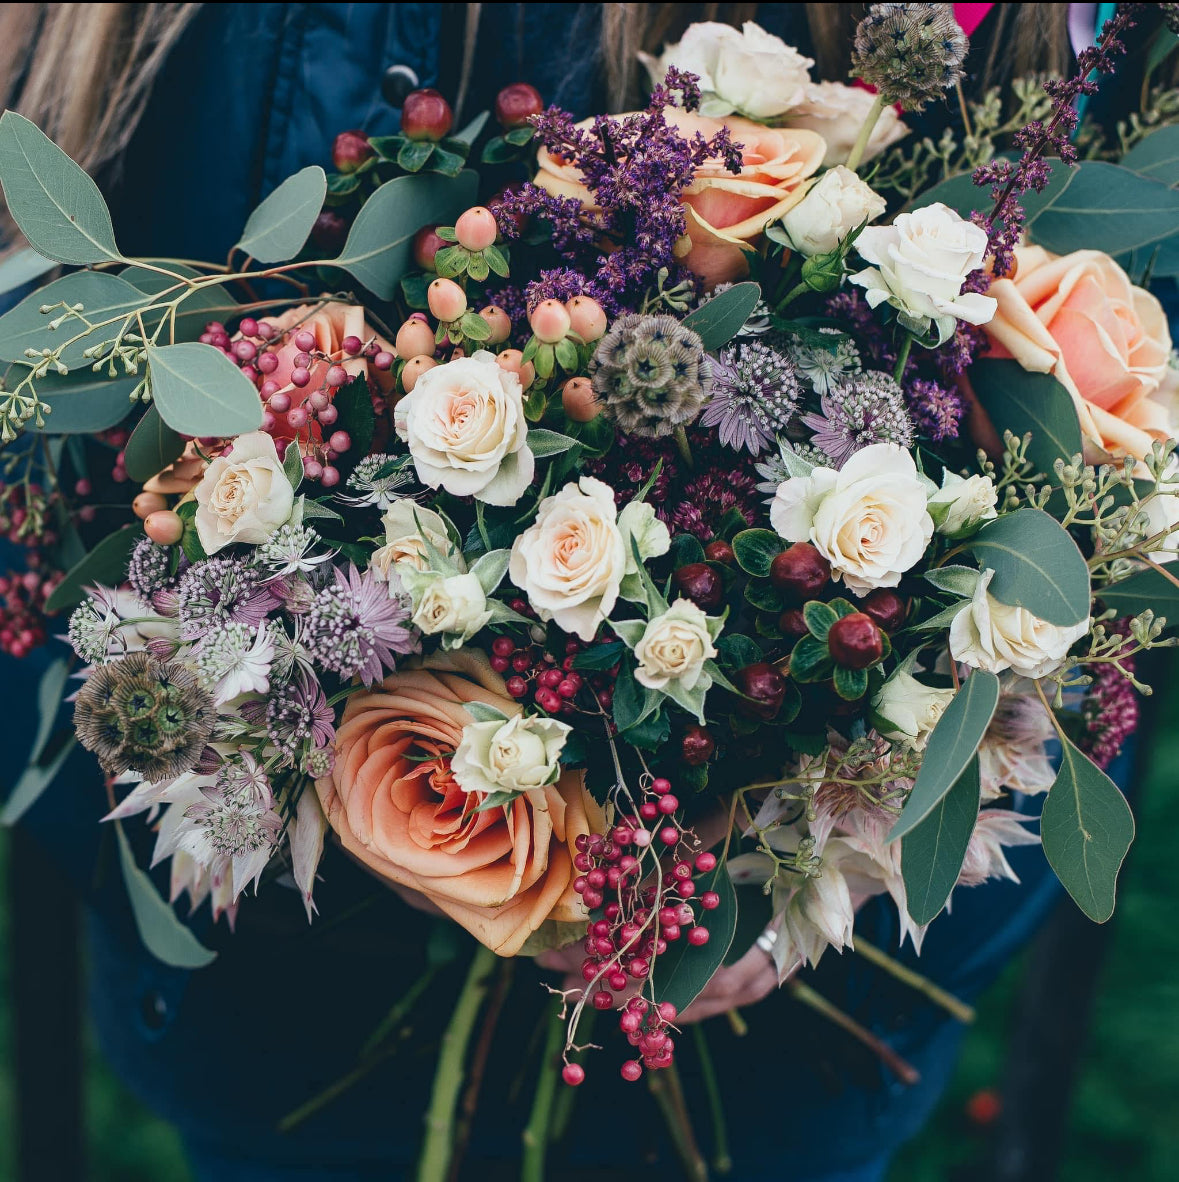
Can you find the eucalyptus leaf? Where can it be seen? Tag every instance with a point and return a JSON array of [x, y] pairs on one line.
[[36, 777], [1140, 591], [722, 317], [278, 229], [153, 446], [380, 244], [684, 969], [1037, 566], [1156, 156], [199, 391], [33, 782], [83, 403], [951, 747], [932, 853], [21, 267], [54, 202], [105, 564], [1086, 829]]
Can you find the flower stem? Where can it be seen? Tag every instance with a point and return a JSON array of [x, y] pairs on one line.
[[439, 1139], [566, 1097], [665, 1088], [721, 1161], [903, 358], [793, 294], [739, 1025], [396, 1015], [681, 442], [861, 144], [536, 1132], [951, 1004]]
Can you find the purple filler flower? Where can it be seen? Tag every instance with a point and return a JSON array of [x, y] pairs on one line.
[[221, 591]]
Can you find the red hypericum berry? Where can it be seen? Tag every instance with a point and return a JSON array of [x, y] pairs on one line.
[[763, 689], [983, 1107], [350, 150], [719, 551], [855, 641], [701, 584], [516, 103], [793, 622], [573, 1074], [425, 115], [801, 572], [426, 244], [886, 607], [697, 746], [632, 1070], [330, 231]]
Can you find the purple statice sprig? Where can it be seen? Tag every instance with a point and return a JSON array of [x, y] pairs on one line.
[[635, 166]]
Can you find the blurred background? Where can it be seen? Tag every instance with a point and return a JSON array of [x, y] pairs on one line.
[[996, 1122]]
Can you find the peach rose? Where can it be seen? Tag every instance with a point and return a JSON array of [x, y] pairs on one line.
[[1078, 317], [726, 213], [501, 872]]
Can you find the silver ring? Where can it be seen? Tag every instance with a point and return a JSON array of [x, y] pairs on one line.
[[767, 940]]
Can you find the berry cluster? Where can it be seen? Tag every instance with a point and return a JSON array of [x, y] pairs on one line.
[[25, 521], [551, 681]]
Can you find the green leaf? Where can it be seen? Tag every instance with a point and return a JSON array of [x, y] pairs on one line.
[[684, 969], [960, 193], [106, 564], [600, 656], [470, 133], [1086, 829], [630, 699], [721, 318], [519, 136], [756, 549], [957, 580], [819, 617], [567, 357], [497, 260], [482, 712], [765, 597], [810, 660], [1145, 589], [56, 205], [447, 163], [543, 443], [736, 651], [355, 414], [32, 783], [200, 305], [474, 326], [153, 446], [1157, 155], [850, 684], [545, 360], [313, 510], [103, 296], [1018, 401], [1037, 566], [952, 745], [653, 730], [932, 853], [83, 403], [21, 267], [477, 268], [162, 933], [278, 229], [199, 391], [491, 568], [413, 155], [380, 244], [50, 692], [451, 261], [685, 549], [292, 465]]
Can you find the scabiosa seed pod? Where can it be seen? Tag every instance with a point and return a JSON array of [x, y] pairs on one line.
[[651, 374], [909, 52], [141, 714]]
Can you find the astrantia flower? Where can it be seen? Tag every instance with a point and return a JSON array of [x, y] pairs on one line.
[[289, 550], [149, 568], [376, 480], [754, 395], [826, 368], [356, 626], [235, 659], [299, 715], [220, 591], [868, 409], [94, 626]]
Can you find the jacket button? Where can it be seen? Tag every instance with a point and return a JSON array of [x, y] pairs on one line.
[[397, 83], [153, 1010]]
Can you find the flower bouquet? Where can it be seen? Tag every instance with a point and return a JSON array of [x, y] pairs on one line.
[[739, 505]]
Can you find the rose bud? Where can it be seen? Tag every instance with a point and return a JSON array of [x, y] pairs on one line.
[[476, 228], [550, 321], [414, 368], [425, 115], [587, 318], [499, 322], [720, 551], [765, 686], [350, 151], [886, 607], [330, 231], [447, 300], [415, 337], [701, 584], [801, 571], [793, 622], [697, 746], [426, 244], [516, 103], [855, 642]]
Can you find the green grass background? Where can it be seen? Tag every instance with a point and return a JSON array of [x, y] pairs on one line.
[[1123, 1121]]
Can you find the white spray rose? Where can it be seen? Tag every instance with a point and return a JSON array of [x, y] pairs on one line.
[[453, 605], [244, 496], [638, 521], [748, 71], [869, 519], [571, 560], [837, 112], [408, 526], [515, 755], [922, 260], [465, 426], [911, 708], [674, 647], [833, 207], [963, 503], [987, 634]]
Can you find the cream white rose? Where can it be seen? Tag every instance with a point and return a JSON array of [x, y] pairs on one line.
[[637, 521], [465, 426], [922, 260], [748, 70], [515, 755], [869, 519], [674, 647], [987, 634], [570, 562], [837, 112], [963, 503], [408, 526], [833, 207], [454, 605], [244, 496], [911, 709]]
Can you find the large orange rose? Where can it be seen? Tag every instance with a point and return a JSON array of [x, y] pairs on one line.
[[1078, 317], [726, 213], [395, 806]]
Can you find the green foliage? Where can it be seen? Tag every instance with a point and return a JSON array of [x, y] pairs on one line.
[[39, 773], [106, 563], [684, 970], [719, 319], [756, 549], [82, 404], [1146, 590], [153, 445], [199, 391], [1157, 156], [354, 406], [278, 229], [211, 301]]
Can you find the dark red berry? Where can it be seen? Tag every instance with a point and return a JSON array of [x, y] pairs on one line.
[[515, 103], [426, 244], [350, 151], [855, 641], [330, 231], [425, 115], [792, 622], [719, 551], [801, 572], [701, 584], [763, 689], [697, 746], [886, 607]]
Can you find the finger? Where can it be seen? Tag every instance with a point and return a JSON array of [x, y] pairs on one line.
[[752, 978]]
